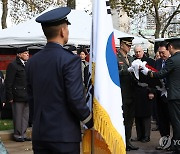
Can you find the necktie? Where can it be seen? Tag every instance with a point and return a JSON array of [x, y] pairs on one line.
[[25, 63], [163, 63]]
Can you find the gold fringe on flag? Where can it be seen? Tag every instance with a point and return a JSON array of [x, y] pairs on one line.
[[103, 125]]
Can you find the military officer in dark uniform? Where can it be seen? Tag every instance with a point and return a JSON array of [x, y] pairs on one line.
[[55, 90], [171, 71], [16, 94], [127, 86]]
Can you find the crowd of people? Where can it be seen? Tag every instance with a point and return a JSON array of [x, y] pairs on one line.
[[157, 88], [52, 83]]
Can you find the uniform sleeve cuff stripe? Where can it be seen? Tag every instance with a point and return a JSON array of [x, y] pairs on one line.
[[87, 119]]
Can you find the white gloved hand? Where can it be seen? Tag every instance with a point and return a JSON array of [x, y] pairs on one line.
[[143, 64], [135, 67], [144, 70], [130, 69]]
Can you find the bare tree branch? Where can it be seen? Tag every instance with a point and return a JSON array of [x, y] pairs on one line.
[[177, 11], [31, 3], [145, 37], [161, 2]]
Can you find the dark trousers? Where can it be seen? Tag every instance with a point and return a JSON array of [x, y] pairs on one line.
[[154, 111], [128, 112], [20, 118], [42, 147], [174, 112], [143, 127], [163, 116]]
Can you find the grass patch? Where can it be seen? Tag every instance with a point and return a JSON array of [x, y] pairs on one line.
[[6, 124]]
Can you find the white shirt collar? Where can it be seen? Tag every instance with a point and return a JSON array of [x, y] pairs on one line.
[[22, 61]]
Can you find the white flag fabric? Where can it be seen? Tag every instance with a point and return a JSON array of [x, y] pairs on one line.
[[107, 102]]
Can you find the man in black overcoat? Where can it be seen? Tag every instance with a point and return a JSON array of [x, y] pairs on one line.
[[143, 98], [55, 89], [171, 71], [16, 94]]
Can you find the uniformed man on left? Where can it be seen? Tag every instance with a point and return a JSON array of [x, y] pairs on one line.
[[16, 94], [55, 89]]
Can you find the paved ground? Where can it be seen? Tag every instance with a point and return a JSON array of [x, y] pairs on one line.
[[149, 147], [18, 147], [145, 148]]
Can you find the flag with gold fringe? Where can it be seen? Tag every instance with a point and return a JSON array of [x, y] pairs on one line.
[[107, 101]]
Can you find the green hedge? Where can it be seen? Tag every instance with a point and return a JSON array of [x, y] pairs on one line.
[[6, 124]]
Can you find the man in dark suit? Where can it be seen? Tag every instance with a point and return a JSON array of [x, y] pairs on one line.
[[127, 87], [161, 95], [55, 90], [171, 71], [16, 94], [143, 98]]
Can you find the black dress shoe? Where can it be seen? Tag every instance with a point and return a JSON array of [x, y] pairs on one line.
[[159, 148], [135, 139], [155, 129], [146, 139], [131, 147], [27, 139], [19, 139], [171, 148], [128, 149]]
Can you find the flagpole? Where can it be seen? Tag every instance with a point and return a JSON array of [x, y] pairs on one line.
[[107, 100], [92, 141], [91, 49]]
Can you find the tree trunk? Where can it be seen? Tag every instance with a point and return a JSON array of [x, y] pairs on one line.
[[157, 19], [157, 31], [4, 13], [71, 4]]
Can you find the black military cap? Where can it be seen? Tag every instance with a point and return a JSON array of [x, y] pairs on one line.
[[22, 49], [54, 17], [126, 40], [172, 39]]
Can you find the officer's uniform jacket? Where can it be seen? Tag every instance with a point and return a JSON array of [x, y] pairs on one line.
[[171, 72], [126, 78], [15, 82], [56, 95]]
